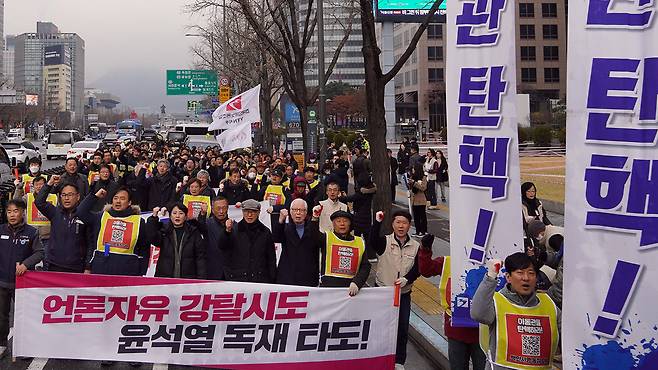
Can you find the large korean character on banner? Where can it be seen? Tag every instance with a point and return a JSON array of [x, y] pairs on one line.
[[483, 149], [610, 255]]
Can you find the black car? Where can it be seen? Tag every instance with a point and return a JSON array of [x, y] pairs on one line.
[[150, 135], [176, 138]]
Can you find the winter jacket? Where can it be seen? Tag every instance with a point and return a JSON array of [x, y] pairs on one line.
[[250, 254], [161, 189], [431, 168], [403, 161], [298, 264], [442, 176], [234, 193], [77, 179], [362, 206], [185, 258], [215, 233], [113, 263], [484, 311], [138, 189], [394, 259], [20, 244], [67, 246], [418, 197], [110, 187]]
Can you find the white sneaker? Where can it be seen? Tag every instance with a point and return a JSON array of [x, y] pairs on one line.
[[3, 351], [399, 367]]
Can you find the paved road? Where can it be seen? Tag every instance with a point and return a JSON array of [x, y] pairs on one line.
[[415, 360]]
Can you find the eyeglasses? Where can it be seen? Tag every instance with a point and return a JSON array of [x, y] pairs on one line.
[[68, 195], [297, 210]]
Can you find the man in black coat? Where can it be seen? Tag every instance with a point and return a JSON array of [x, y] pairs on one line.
[[300, 251], [250, 254], [161, 187], [214, 228]]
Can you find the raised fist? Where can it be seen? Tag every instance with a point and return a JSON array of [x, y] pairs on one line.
[[283, 214], [317, 210], [156, 211], [101, 193], [238, 205], [204, 208], [229, 225], [270, 209], [379, 216], [493, 267], [17, 182]]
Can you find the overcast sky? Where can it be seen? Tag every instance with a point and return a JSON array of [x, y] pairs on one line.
[[129, 43]]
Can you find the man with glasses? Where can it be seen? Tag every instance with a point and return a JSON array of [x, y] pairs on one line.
[[67, 247], [330, 205], [300, 246]]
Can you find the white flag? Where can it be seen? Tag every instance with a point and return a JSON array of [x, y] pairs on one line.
[[244, 108], [238, 136]]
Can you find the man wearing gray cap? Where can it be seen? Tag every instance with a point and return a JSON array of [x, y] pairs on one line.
[[249, 254]]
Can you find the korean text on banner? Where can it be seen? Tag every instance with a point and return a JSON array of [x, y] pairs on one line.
[[611, 218], [482, 132], [244, 108], [203, 323]]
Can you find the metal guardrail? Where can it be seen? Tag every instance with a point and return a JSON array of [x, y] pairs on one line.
[[542, 151]]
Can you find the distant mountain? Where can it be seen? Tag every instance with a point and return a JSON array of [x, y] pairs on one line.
[[141, 88]]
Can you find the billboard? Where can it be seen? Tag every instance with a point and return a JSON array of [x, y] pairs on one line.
[[32, 100], [407, 11], [55, 55]]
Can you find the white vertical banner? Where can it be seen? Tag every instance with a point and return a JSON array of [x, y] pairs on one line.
[[610, 317], [483, 148]]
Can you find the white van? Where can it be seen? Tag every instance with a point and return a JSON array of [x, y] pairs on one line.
[[60, 141]]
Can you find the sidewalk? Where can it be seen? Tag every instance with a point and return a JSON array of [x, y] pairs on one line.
[[426, 322]]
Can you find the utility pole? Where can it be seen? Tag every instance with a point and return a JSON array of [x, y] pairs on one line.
[[322, 119]]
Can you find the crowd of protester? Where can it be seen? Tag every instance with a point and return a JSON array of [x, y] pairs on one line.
[[314, 208]]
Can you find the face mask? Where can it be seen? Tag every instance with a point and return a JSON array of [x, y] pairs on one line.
[[251, 175], [34, 169]]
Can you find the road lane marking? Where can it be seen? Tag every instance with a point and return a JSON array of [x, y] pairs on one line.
[[38, 364]]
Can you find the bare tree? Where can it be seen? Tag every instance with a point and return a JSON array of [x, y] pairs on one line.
[[376, 81], [243, 60], [287, 41]]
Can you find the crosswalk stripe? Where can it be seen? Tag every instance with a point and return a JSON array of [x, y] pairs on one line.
[[160, 366], [37, 364]]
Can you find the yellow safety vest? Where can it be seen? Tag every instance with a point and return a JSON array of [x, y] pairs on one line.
[[343, 258], [314, 184], [314, 165], [193, 204], [27, 182], [526, 337], [274, 194], [118, 233], [93, 176], [34, 216], [444, 286], [286, 183]]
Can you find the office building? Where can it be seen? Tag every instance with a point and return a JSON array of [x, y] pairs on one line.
[[2, 38], [349, 67], [8, 62], [57, 78], [29, 63], [541, 63]]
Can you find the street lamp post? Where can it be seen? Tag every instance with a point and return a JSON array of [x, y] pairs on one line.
[[211, 36], [322, 119]]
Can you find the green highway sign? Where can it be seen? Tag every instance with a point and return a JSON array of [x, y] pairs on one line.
[[191, 82]]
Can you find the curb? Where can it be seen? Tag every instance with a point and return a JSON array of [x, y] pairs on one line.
[[431, 343]]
